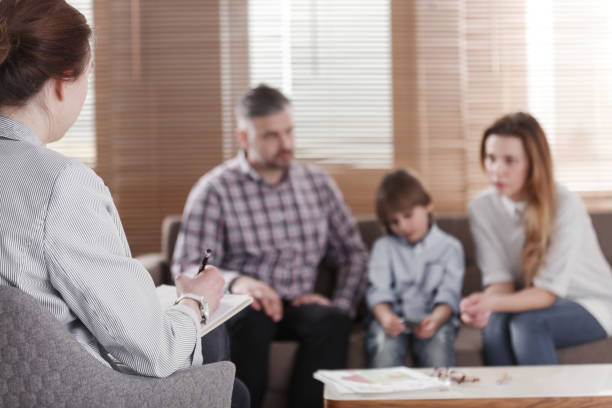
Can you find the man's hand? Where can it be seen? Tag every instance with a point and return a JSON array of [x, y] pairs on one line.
[[311, 298], [208, 283], [427, 328], [264, 297], [475, 310]]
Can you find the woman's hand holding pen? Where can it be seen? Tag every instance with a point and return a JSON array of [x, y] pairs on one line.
[[264, 297], [208, 283]]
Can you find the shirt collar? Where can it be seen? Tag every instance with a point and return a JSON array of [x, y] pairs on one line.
[[14, 130], [514, 208], [245, 167], [427, 240]]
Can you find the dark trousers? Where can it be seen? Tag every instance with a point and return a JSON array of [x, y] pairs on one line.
[[216, 347], [322, 334]]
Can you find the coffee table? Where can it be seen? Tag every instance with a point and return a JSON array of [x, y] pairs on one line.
[[542, 386]]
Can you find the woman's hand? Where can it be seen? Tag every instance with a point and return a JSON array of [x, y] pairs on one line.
[[208, 283], [475, 309], [500, 297]]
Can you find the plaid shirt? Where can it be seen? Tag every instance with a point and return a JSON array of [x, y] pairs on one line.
[[277, 234]]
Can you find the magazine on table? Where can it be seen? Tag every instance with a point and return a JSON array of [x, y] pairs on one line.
[[379, 380]]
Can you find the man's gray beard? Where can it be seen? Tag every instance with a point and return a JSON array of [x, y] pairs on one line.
[[275, 166]]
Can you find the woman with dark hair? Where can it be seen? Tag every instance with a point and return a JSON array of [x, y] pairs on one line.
[[61, 240], [547, 282]]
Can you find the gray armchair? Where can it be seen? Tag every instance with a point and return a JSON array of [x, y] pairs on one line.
[[42, 365]]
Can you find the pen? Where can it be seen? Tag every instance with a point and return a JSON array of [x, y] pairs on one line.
[[205, 260]]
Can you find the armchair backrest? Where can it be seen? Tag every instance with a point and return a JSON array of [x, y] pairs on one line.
[[42, 365]]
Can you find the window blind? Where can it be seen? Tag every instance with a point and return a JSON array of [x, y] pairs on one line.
[[375, 85], [477, 60], [333, 59], [158, 105], [578, 83]]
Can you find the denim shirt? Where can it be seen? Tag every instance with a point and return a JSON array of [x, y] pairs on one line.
[[414, 278]]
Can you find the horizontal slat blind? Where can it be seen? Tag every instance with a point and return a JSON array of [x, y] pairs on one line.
[[440, 75], [333, 59], [581, 122], [375, 84], [477, 60], [160, 112], [495, 84]]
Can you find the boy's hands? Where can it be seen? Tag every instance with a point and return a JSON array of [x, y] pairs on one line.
[[390, 322], [427, 327]]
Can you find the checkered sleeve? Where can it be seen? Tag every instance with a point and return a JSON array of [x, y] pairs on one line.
[[347, 251], [202, 228]]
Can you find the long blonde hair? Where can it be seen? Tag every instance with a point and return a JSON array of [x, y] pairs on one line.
[[539, 187]]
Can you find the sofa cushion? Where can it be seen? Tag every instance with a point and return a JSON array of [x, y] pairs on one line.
[[602, 222], [468, 347]]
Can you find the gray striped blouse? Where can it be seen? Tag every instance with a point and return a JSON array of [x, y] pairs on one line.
[[61, 241]]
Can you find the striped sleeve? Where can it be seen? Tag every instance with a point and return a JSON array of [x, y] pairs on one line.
[[89, 264]]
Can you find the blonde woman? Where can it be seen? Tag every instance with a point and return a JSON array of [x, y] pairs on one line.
[[547, 283]]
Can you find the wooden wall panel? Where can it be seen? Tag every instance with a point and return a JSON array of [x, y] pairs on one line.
[[159, 107]]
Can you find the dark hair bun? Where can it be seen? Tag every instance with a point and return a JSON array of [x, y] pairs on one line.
[[39, 40], [5, 43]]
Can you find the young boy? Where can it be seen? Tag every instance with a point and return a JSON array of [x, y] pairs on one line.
[[415, 275]]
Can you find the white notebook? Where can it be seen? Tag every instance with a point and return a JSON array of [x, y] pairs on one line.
[[228, 306], [379, 380]]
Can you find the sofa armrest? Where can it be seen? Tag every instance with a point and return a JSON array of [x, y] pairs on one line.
[[156, 265]]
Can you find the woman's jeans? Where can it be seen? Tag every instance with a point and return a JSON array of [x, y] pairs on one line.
[[386, 351], [532, 337]]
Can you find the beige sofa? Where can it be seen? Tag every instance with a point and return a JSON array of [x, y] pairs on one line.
[[468, 343]]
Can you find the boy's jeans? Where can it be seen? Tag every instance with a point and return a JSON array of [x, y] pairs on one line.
[[386, 351]]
